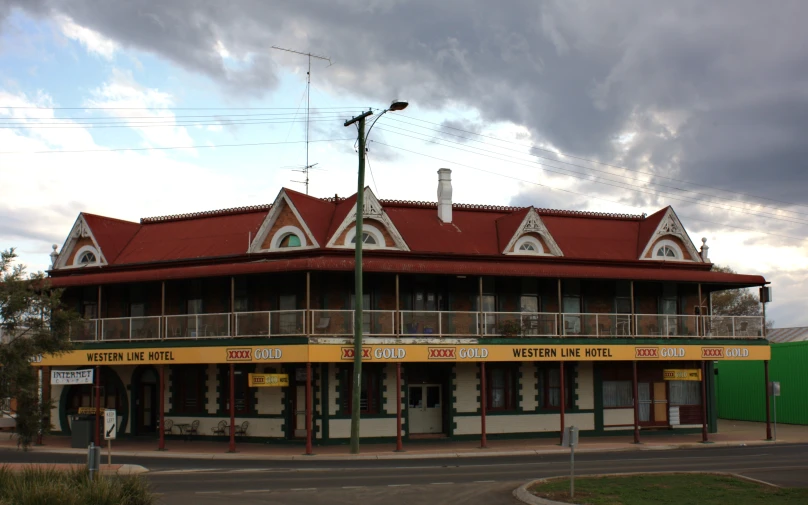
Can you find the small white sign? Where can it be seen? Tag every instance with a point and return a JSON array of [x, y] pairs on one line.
[[110, 421], [72, 376], [775, 389], [570, 438]]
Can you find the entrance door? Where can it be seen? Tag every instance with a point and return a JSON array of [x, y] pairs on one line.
[[425, 409], [653, 403], [147, 401], [660, 403]]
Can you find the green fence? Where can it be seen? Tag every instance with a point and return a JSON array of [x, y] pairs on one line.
[[740, 386]]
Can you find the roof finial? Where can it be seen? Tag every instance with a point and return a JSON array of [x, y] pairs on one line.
[[705, 249], [54, 256]]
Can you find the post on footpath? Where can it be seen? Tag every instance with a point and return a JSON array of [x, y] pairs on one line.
[[110, 431], [93, 459], [571, 440], [774, 386]]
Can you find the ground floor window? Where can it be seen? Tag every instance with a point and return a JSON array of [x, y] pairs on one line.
[[685, 392], [188, 387], [84, 395], [618, 394], [502, 383], [549, 386], [370, 396]]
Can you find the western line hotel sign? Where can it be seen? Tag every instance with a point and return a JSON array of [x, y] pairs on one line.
[[329, 353]]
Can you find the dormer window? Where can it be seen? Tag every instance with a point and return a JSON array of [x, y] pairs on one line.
[[289, 240], [367, 239], [288, 237], [528, 245], [86, 256], [667, 250]]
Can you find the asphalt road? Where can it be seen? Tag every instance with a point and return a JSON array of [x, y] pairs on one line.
[[486, 479]]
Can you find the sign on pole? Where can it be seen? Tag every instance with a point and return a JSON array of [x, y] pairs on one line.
[[109, 424], [774, 390], [570, 439]]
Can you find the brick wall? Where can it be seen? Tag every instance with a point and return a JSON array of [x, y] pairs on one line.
[[81, 242], [527, 387], [285, 218], [466, 383], [388, 239], [584, 386], [675, 240]]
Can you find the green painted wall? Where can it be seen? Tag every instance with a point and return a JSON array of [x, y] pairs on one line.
[[741, 393]]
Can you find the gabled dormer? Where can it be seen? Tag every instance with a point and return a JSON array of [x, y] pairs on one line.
[[530, 237], [378, 230], [283, 229], [669, 240], [81, 249]]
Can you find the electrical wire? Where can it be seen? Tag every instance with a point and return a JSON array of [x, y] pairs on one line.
[[578, 193], [170, 147], [372, 178], [171, 108], [167, 125], [207, 116], [616, 184], [706, 195], [556, 153]]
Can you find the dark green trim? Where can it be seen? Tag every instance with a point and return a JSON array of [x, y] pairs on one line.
[[528, 341], [134, 385], [119, 385], [712, 399], [597, 386], [213, 342], [527, 413], [203, 400], [326, 415]]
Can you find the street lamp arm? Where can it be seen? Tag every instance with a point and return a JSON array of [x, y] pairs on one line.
[[367, 135]]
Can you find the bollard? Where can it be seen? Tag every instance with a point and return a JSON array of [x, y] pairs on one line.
[[93, 459]]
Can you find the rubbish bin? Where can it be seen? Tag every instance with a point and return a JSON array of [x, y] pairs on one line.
[[81, 429]]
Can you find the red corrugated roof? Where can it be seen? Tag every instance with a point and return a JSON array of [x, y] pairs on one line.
[[111, 234], [647, 228], [470, 232], [204, 237], [341, 210], [649, 271], [507, 225], [316, 213], [594, 238]]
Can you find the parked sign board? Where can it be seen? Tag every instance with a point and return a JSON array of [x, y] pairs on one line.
[[688, 374], [268, 380], [110, 421]]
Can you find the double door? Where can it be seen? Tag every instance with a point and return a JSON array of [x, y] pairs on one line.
[[425, 409], [653, 403]]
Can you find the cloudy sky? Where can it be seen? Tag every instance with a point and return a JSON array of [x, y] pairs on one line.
[[146, 107]]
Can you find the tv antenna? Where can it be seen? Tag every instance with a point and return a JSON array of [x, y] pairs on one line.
[[308, 102]]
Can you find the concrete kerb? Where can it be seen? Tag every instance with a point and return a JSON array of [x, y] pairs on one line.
[[104, 469], [410, 455], [522, 494]]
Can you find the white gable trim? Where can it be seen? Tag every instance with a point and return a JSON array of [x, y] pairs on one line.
[[307, 240], [80, 230], [671, 226], [532, 223], [372, 209]]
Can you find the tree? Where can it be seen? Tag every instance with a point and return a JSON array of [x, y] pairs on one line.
[[32, 324], [736, 302]]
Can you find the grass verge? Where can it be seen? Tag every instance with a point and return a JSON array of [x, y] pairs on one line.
[[43, 486], [673, 489]]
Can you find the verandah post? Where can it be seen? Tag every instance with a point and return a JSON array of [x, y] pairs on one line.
[[562, 401], [232, 447], [636, 404], [308, 409], [483, 406], [162, 445], [399, 445]]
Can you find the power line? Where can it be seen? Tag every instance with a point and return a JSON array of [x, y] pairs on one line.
[[164, 125], [556, 153], [171, 147], [172, 116], [576, 192], [590, 168], [616, 184], [359, 107]]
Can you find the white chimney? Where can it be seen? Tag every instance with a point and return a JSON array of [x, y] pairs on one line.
[[445, 195]]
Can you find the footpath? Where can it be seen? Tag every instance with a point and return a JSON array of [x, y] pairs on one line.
[[730, 433]]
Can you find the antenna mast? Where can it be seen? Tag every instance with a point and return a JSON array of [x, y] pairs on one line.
[[308, 102]]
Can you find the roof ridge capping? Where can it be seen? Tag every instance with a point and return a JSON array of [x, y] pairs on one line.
[[508, 208], [206, 213]]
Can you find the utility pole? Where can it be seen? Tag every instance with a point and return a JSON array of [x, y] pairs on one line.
[[308, 101]]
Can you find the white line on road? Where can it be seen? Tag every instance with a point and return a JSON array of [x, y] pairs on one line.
[[208, 492], [352, 487], [484, 481], [397, 485], [256, 491], [303, 489], [441, 483]]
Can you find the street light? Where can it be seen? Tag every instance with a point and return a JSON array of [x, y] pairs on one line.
[[356, 393]]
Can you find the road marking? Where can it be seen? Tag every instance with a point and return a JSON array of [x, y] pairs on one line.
[[397, 485], [303, 489], [208, 492], [442, 483], [256, 490], [353, 487], [484, 481]]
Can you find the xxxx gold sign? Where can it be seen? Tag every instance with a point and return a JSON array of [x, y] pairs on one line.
[[682, 375], [268, 380], [180, 356]]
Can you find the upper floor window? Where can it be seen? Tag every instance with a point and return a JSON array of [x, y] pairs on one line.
[[667, 250], [367, 239], [86, 256], [290, 240], [528, 245]]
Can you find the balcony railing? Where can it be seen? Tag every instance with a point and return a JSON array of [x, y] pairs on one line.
[[412, 323]]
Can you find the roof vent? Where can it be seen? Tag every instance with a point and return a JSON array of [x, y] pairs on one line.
[[445, 195]]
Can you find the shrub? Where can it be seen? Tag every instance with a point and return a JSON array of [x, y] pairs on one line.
[[44, 486]]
